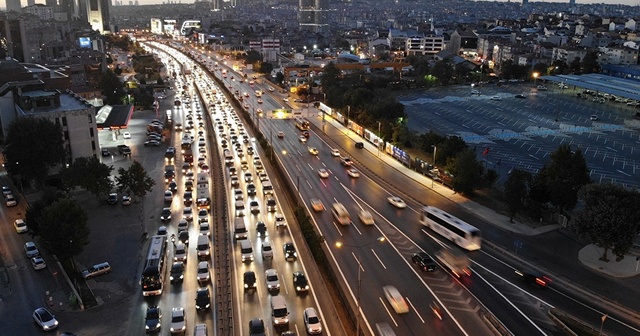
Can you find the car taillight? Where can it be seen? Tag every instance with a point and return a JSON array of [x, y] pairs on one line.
[[541, 282]]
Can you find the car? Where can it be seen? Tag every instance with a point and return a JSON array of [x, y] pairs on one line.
[[496, 98], [521, 96], [203, 298], [365, 217], [312, 321], [152, 143], [542, 88], [112, 199], [238, 194], [178, 321], [271, 89], [10, 201], [183, 225], [6, 191], [165, 215], [353, 172], [20, 225], [180, 253], [249, 280], [533, 277], [254, 207], [306, 134], [593, 117], [162, 231], [279, 220], [312, 150], [188, 185], [256, 327], [235, 181], [267, 251], [95, 270], [280, 134], [297, 100], [263, 176], [300, 282], [203, 215], [126, 200], [248, 178], [475, 92], [285, 99], [289, 251], [105, 152], [424, 261], [31, 250], [323, 173], [38, 263], [168, 196], [302, 138], [183, 237], [396, 300], [271, 277], [204, 274], [204, 228], [317, 204], [261, 229], [346, 161], [44, 319], [177, 272], [251, 189], [397, 202], [153, 319], [187, 198], [335, 152]]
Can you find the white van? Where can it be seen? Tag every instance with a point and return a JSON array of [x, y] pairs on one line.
[[279, 311], [239, 208], [246, 250], [203, 246], [240, 229]]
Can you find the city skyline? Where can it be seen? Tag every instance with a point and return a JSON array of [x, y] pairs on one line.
[[3, 3]]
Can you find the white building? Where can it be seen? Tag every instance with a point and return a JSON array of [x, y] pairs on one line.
[[424, 44]]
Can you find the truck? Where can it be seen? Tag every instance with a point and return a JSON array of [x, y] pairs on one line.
[[169, 173], [455, 260]]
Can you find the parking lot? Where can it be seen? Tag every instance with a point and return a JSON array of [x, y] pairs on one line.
[[522, 132]]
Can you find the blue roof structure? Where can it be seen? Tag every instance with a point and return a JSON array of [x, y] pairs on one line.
[[619, 87]]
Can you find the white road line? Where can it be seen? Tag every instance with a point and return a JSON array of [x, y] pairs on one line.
[[388, 312], [414, 309], [380, 261]]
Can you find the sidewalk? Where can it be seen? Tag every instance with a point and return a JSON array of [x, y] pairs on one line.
[[589, 255]]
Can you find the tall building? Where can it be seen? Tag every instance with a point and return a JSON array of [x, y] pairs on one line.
[[14, 5], [31, 2], [313, 14], [12, 39], [98, 15], [68, 6]]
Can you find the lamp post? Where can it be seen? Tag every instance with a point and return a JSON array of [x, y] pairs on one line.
[[379, 138], [348, 113], [380, 239], [535, 78], [435, 148]]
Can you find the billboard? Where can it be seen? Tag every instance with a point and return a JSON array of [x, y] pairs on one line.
[[169, 26], [85, 42], [156, 26]]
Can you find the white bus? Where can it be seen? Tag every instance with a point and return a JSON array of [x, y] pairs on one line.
[[203, 200], [340, 213], [153, 271], [452, 228]]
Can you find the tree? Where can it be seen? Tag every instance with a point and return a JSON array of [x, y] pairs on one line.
[[443, 71], [112, 88], [265, 68], [33, 146], [563, 177], [330, 77], [135, 179], [609, 217], [515, 191], [449, 148], [466, 170], [575, 66], [160, 81], [64, 228], [35, 210], [89, 173], [279, 77], [590, 63]]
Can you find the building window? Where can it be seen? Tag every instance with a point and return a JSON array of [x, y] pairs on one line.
[[64, 121], [90, 119], [93, 145], [57, 121], [66, 135], [91, 132]]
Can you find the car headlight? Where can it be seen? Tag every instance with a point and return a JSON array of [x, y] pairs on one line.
[[246, 285], [171, 277], [146, 327]]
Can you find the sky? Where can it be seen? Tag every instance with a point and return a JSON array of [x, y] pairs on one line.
[[3, 3]]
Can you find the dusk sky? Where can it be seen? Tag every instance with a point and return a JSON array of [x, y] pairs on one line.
[[3, 3]]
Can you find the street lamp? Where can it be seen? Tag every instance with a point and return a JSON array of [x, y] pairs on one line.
[[535, 78], [434, 163], [380, 239], [348, 113], [379, 138]]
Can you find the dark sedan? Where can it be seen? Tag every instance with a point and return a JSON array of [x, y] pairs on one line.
[[424, 261]]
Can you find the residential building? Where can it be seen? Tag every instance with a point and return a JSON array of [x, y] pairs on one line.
[[41, 11], [14, 5], [618, 56], [424, 44], [568, 54]]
